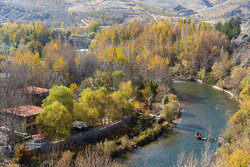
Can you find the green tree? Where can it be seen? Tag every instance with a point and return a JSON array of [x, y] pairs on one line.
[[55, 121], [62, 95], [122, 101], [117, 77], [95, 103], [93, 27], [35, 47], [230, 28], [103, 79]]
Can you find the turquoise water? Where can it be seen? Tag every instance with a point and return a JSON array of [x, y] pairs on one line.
[[206, 110]]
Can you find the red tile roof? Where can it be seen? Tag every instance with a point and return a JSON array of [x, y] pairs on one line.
[[34, 90], [38, 136], [24, 111]]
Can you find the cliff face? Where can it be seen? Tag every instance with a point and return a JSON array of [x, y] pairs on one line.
[[241, 45]]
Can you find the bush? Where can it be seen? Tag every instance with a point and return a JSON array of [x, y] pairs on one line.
[[164, 100], [65, 160], [201, 74], [170, 110], [164, 124], [157, 129], [125, 141], [239, 158], [210, 79], [172, 97], [108, 147], [22, 155]]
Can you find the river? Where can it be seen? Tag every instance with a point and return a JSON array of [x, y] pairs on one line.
[[205, 110]]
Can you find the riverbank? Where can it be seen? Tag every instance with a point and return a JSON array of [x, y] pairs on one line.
[[203, 109], [129, 143], [145, 126], [213, 86], [220, 89]]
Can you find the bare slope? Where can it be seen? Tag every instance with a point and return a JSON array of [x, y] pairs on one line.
[[108, 12], [226, 10]]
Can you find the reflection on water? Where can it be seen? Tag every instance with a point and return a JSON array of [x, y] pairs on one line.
[[204, 109]]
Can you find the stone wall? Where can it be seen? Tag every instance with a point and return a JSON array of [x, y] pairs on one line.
[[91, 135]]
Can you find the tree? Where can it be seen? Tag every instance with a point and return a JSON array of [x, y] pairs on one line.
[[122, 101], [22, 155], [2, 62], [95, 103], [117, 77], [239, 158], [92, 156], [245, 89], [237, 76], [169, 110], [60, 94], [60, 62], [55, 121], [35, 47], [103, 79], [65, 160], [93, 27], [230, 28], [11, 98]]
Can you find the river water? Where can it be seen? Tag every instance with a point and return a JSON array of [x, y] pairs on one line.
[[205, 110]]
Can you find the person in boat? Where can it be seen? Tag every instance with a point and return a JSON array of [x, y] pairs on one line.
[[198, 136]]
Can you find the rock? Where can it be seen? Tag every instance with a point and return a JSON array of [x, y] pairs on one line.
[[221, 141], [241, 45]]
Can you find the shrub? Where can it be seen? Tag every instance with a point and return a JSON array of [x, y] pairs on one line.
[[92, 156], [65, 160], [170, 110], [164, 124], [157, 129], [22, 155], [108, 147], [125, 141], [172, 97], [239, 159], [165, 100], [202, 74], [210, 79]]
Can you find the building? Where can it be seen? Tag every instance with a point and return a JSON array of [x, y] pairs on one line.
[[35, 95], [23, 117]]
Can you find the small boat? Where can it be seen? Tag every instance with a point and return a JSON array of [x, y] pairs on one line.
[[209, 139], [199, 137]]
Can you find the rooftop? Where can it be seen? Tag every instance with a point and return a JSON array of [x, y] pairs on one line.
[[24, 111], [34, 90], [38, 137]]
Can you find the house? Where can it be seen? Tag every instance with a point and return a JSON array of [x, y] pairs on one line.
[[23, 117], [35, 95], [37, 141]]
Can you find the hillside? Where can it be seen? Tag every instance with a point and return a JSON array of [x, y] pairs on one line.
[[225, 10], [108, 12], [241, 46]]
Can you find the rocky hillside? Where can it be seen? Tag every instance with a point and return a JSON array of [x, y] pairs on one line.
[[241, 46]]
